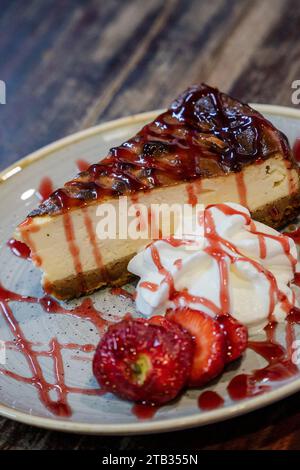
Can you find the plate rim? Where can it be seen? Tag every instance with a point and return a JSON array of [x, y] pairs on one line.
[[155, 425]]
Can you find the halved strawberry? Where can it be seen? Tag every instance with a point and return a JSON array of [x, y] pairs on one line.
[[144, 362], [162, 321], [210, 344], [236, 336]]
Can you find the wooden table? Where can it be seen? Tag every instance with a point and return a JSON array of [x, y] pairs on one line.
[[69, 64]]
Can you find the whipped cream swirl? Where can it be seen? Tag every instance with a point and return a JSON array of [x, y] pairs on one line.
[[233, 265]]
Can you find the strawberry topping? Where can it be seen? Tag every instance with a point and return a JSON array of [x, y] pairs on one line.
[[210, 344]]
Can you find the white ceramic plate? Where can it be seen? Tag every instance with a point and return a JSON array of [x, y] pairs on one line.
[[94, 414]]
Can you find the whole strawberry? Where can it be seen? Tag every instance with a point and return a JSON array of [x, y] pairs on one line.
[[210, 344], [144, 362]]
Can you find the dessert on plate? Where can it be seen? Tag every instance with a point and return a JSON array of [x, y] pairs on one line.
[[206, 148]]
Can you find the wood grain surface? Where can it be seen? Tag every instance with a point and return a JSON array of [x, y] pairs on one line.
[[69, 64]]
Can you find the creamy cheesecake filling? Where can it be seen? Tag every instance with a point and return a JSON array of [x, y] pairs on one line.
[[66, 245]]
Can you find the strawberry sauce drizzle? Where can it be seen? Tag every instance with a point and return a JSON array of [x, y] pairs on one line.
[[28, 228], [296, 149], [142, 411], [280, 361], [210, 400], [190, 299], [150, 286], [19, 249], [142, 223], [280, 365], [45, 188], [168, 278], [178, 263], [192, 197], [261, 241], [86, 311], [82, 165], [244, 386], [73, 247], [93, 241], [241, 188], [120, 292]]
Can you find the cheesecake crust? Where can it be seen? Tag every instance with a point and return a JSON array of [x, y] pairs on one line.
[[115, 275], [276, 215], [280, 213]]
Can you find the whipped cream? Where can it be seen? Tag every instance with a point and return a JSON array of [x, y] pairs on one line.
[[233, 265]]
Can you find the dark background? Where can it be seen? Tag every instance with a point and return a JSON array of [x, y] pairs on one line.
[[69, 64]]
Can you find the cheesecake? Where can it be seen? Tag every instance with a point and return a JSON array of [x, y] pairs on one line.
[[207, 148]]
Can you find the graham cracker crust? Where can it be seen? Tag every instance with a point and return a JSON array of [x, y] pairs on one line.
[[115, 275]]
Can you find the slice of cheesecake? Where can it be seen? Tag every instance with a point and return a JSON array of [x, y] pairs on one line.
[[207, 148]]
